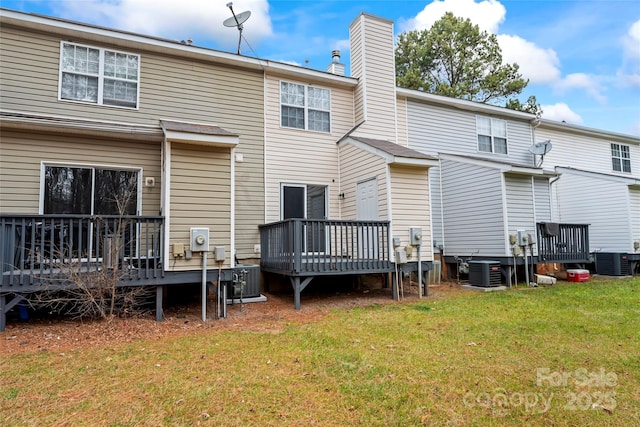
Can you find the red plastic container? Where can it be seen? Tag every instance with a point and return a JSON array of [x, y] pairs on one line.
[[578, 275]]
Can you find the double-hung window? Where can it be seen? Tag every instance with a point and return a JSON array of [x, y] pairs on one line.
[[305, 107], [99, 76], [621, 158], [492, 135]]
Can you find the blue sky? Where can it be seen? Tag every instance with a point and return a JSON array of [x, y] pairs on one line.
[[582, 57]]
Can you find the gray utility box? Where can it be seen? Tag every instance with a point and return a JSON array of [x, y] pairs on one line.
[[251, 286], [485, 273], [612, 264]]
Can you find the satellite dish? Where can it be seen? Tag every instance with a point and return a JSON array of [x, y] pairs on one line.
[[540, 149], [237, 21]]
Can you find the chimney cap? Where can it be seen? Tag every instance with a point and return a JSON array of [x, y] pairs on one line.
[[335, 55]]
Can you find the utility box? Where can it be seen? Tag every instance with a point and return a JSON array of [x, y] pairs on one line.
[[199, 239], [577, 275], [415, 236]]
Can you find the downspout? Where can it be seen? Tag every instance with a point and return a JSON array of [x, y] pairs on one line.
[[534, 124]]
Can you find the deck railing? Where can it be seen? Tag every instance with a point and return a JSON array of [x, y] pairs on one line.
[[52, 249], [563, 243], [299, 247]]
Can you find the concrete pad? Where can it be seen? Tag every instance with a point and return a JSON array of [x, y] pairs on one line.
[[484, 288]]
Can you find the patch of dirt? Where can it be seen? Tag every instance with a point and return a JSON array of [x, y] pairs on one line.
[[59, 335]]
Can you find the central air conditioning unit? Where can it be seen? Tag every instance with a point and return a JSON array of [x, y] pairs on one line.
[[485, 273], [612, 264]]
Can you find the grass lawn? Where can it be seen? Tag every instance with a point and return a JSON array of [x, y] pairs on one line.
[[565, 355]]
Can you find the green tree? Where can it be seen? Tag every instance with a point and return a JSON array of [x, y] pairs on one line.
[[530, 106], [454, 58]]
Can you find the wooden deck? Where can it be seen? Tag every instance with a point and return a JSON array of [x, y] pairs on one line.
[[302, 249]]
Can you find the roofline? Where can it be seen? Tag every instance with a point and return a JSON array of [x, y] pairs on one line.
[[68, 27], [63, 125], [583, 130], [463, 104], [629, 180], [504, 167], [390, 158]]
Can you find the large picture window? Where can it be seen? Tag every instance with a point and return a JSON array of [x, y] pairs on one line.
[[305, 107], [492, 135], [90, 191], [621, 158], [99, 76]]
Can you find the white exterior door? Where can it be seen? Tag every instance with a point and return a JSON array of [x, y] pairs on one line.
[[367, 209], [367, 200]]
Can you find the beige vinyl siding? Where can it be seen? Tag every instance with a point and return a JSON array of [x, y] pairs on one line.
[[357, 70], [21, 155], [357, 166], [200, 194], [377, 73], [410, 206], [171, 88], [296, 156]]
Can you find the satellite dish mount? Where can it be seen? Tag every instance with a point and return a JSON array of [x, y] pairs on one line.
[[540, 149], [237, 21]]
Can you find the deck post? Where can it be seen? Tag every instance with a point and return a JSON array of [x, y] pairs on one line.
[[298, 287], [159, 311], [3, 313]]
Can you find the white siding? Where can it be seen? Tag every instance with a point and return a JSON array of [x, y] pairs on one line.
[[543, 199], [585, 152], [601, 203], [401, 119], [410, 206], [356, 166], [435, 129], [473, 210], [634, 197], [298, 156], [372, 59], [520, 203], [436, 205]]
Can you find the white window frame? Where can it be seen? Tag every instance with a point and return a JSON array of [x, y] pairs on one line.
[[100, 75], [494, 126], [620, 157], [305, 107]]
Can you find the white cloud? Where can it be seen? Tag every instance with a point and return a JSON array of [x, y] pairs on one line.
[[200, 20], [536, 64], [583, 81], [629, 72], [487, 14], [561, 112], [632, 41]]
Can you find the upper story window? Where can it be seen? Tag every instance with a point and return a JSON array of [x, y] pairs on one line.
[[492, 135], [621, 158], [99, 76], [305, 107]]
